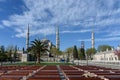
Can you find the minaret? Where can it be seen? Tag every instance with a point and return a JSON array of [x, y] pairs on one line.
[[27, 38], [92, 39], [57, 38], [82, 44]]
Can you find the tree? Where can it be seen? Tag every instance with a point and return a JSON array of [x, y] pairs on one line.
[[3, 56], [69, 51], [90, 52], [38, 47], [75, 52], [2, 49], [15, 53], [82, 54], [33, 54], [55, 52], [12, 53], [103, 47], [23, 49]]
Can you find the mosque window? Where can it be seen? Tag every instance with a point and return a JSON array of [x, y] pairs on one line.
[[111, 58], [106, 58], [115, 58]]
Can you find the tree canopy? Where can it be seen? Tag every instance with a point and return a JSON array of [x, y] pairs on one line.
[[69, 50], [3, 56], [38, 47], [12, 53], [90, 52], [69, 53], [55, 51], [75, 52], [82, 54], [104, 47]]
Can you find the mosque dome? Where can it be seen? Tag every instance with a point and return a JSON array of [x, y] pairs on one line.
[[47, 42]]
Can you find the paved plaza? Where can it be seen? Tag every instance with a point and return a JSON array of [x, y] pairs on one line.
[[58, 73]]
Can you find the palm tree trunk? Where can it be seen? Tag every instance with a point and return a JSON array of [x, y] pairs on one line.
[[38, 58]]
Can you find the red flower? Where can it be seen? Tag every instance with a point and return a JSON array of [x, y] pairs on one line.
[[117, 52]]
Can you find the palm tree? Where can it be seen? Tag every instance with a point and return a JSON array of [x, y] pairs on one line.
[[38, 47]]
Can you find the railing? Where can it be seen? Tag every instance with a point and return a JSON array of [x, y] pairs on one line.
[[103, 63], [96, 61], [107, 62]]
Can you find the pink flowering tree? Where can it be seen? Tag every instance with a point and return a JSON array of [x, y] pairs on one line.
[[117, 52]]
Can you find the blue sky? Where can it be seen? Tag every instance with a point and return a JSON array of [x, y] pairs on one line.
[[75, 18]]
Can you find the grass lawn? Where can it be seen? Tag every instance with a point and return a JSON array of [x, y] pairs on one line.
[[42, 63]]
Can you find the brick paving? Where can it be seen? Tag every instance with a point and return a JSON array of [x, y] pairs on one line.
[[58, 73]]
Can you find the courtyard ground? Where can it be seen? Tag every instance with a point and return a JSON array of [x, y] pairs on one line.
[[56, 71]]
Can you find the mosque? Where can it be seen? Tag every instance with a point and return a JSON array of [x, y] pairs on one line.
[[108, 55], [25, 56]]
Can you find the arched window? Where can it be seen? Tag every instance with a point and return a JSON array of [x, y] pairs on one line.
[[115, 58], [111, 58]]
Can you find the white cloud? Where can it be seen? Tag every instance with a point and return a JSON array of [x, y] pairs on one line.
[[102, 39], [109, 39], [6, 23], [75, 31], [21, 35], [113, 34], [86, 40], [43, 15], [1, 26]]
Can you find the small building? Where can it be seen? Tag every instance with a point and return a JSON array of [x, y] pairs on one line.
[[106, 55], [19, 55], [22, 56]]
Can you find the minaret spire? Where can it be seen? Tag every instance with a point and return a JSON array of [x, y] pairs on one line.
[[57, 38], [93, 39], [27, 38]]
